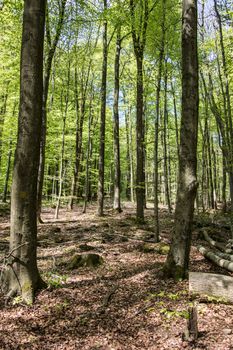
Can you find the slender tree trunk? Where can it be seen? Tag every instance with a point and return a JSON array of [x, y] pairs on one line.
[[139, 31], [157, 119], [4, 198], [224, 185], [210, 177], [61, 172], [228, 105], [47, 73], [117, 166], [3, 102], [129, 157], [178, 257], [128, 160], [89, 150], [165, 140], [176, 120], [78, 135], [140, 131], [102, 120], [22, 276]]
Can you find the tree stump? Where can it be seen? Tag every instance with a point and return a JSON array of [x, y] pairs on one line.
[[191, 331]]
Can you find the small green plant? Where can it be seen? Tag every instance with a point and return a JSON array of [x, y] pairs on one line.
[[55, 280], [174, 313], [61, 307], [17, 300], [173, 296]]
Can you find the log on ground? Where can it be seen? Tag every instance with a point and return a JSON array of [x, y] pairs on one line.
[[226, 264]]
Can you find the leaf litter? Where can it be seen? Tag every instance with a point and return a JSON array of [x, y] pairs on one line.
[[122, 304]]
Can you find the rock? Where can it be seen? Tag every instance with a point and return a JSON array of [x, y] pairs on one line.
[[85, 260]]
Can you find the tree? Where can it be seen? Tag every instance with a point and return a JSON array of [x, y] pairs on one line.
[[52, 45], [139, 42], [117, 172], [22, 276], [103, 117], [178, 257]]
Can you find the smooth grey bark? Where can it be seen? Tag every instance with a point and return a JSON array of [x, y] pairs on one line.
[[21, 276], [227, 106], [117, 165], [4, 197], [165, 144], [88, 154], [100, 198], [64, 119], [177, 262], [52, 45], [176, 120], [3, 109], [139, 42], [129, 157], [157, 122]]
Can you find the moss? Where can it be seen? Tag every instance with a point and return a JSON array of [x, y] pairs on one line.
[[159, 248], [27, 293], [85, 260], [163, 249]]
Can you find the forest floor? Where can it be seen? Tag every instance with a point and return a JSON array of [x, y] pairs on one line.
[[122, 304]]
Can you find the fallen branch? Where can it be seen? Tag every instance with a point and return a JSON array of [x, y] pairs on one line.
[[224, 255], [228, 265], [215, 244]]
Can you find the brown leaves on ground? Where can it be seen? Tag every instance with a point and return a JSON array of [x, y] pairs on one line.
[[122, 304]]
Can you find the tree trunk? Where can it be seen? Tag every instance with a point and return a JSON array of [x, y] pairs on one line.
[[89, 150], [117, 166], [47, 73], [22, 276], [178, 257], [157, 117], [4, 198], [139, 31], [61, 172], [3, 107], [140, 130], [165, 141], [102, 119], [130, 159]]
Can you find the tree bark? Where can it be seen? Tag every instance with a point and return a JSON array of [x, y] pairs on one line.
[[157, 119], [64, 118], [178, 257], [88, 154], [102, 118], [139, 41], [47, 73], [165, 142], [4, 197], [117, 165], [22, 276]]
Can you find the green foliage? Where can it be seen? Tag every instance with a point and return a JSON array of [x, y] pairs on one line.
[[55, 280]]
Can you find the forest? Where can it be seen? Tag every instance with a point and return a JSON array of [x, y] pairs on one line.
[[116, 177]]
